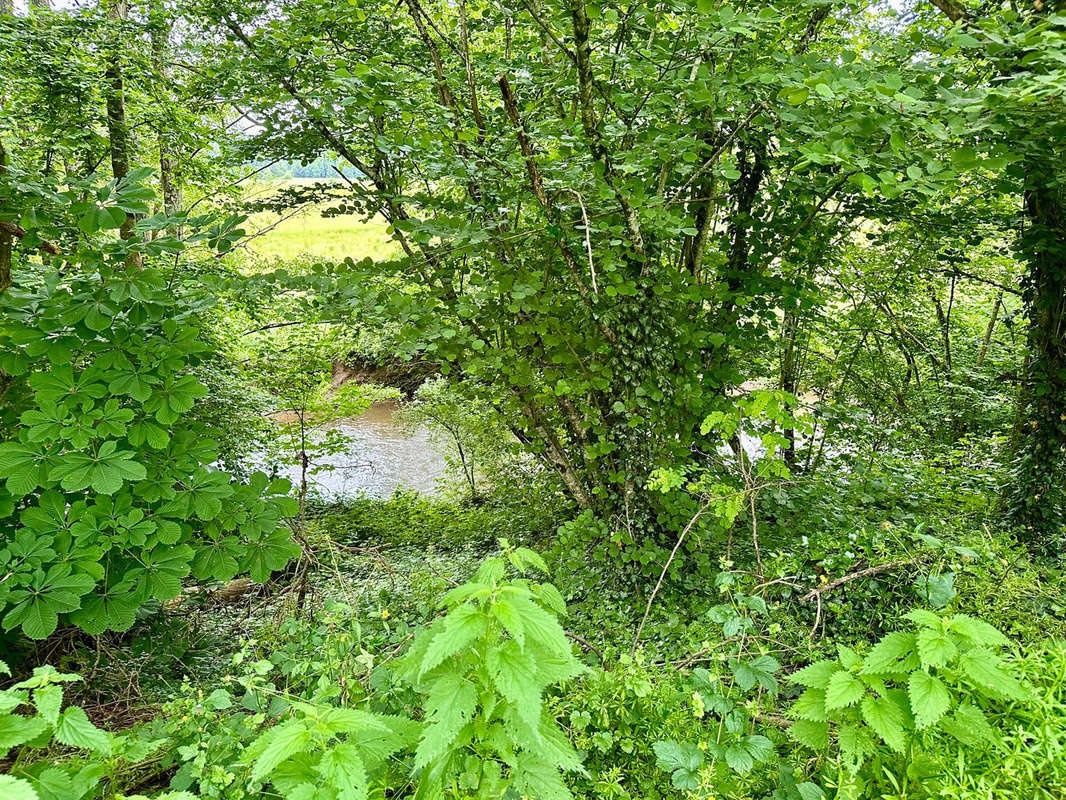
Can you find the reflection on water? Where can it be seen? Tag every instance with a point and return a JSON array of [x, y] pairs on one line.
[[381, 458]]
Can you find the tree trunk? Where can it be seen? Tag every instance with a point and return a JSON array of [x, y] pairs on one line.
[[1039, 493], [983, 354], [5, 237], [117, 130], [168, 162]]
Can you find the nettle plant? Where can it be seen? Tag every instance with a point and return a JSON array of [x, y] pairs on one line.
[[34, 723], [909, 703], [484, 668], [727, 701], [109, 497]]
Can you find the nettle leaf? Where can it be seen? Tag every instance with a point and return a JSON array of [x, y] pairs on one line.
[[886, 719], [48, 700], [977, 631], [16, 730], [515, 674], [461, 627], [816, 675], [813, 735], [343, 768], [930, 698], [985, 669], [888, 655], [970, 726], [856, 745], [935, 648], [843, 690], [277, 745], [12, 788], [449, 706], [75, 729], [811, 705]]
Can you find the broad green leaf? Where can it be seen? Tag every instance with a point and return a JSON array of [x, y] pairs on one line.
[[935, 648], [815, 675], [929, 698], [885, 657], [12, 788], [886, 720], [75, 729], [843, 690], [279, 744]]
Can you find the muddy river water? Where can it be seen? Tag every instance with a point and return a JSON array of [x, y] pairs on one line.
[[382, 457]]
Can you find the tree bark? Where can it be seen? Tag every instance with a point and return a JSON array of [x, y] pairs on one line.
[[168, 161], [5, 235], [1039, 501], [118, 132]]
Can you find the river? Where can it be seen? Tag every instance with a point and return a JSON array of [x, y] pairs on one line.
[[382, 457]]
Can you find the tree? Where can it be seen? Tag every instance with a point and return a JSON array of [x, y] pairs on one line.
[[595, 207]]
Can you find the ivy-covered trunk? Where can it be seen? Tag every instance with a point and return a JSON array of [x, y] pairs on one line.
[[1039, 493]]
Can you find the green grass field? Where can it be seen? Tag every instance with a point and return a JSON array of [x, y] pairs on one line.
[[309, 233]]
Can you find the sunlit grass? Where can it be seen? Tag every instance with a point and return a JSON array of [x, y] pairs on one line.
[[309, 233]]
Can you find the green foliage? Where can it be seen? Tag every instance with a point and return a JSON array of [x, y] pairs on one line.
[[110, 497], [484, 668], [728, 701], [899, 708], [470, 429]]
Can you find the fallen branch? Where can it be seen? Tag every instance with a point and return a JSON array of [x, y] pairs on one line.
[[854, 576]]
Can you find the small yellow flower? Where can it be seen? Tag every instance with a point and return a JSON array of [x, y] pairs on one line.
[[384, 613]]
